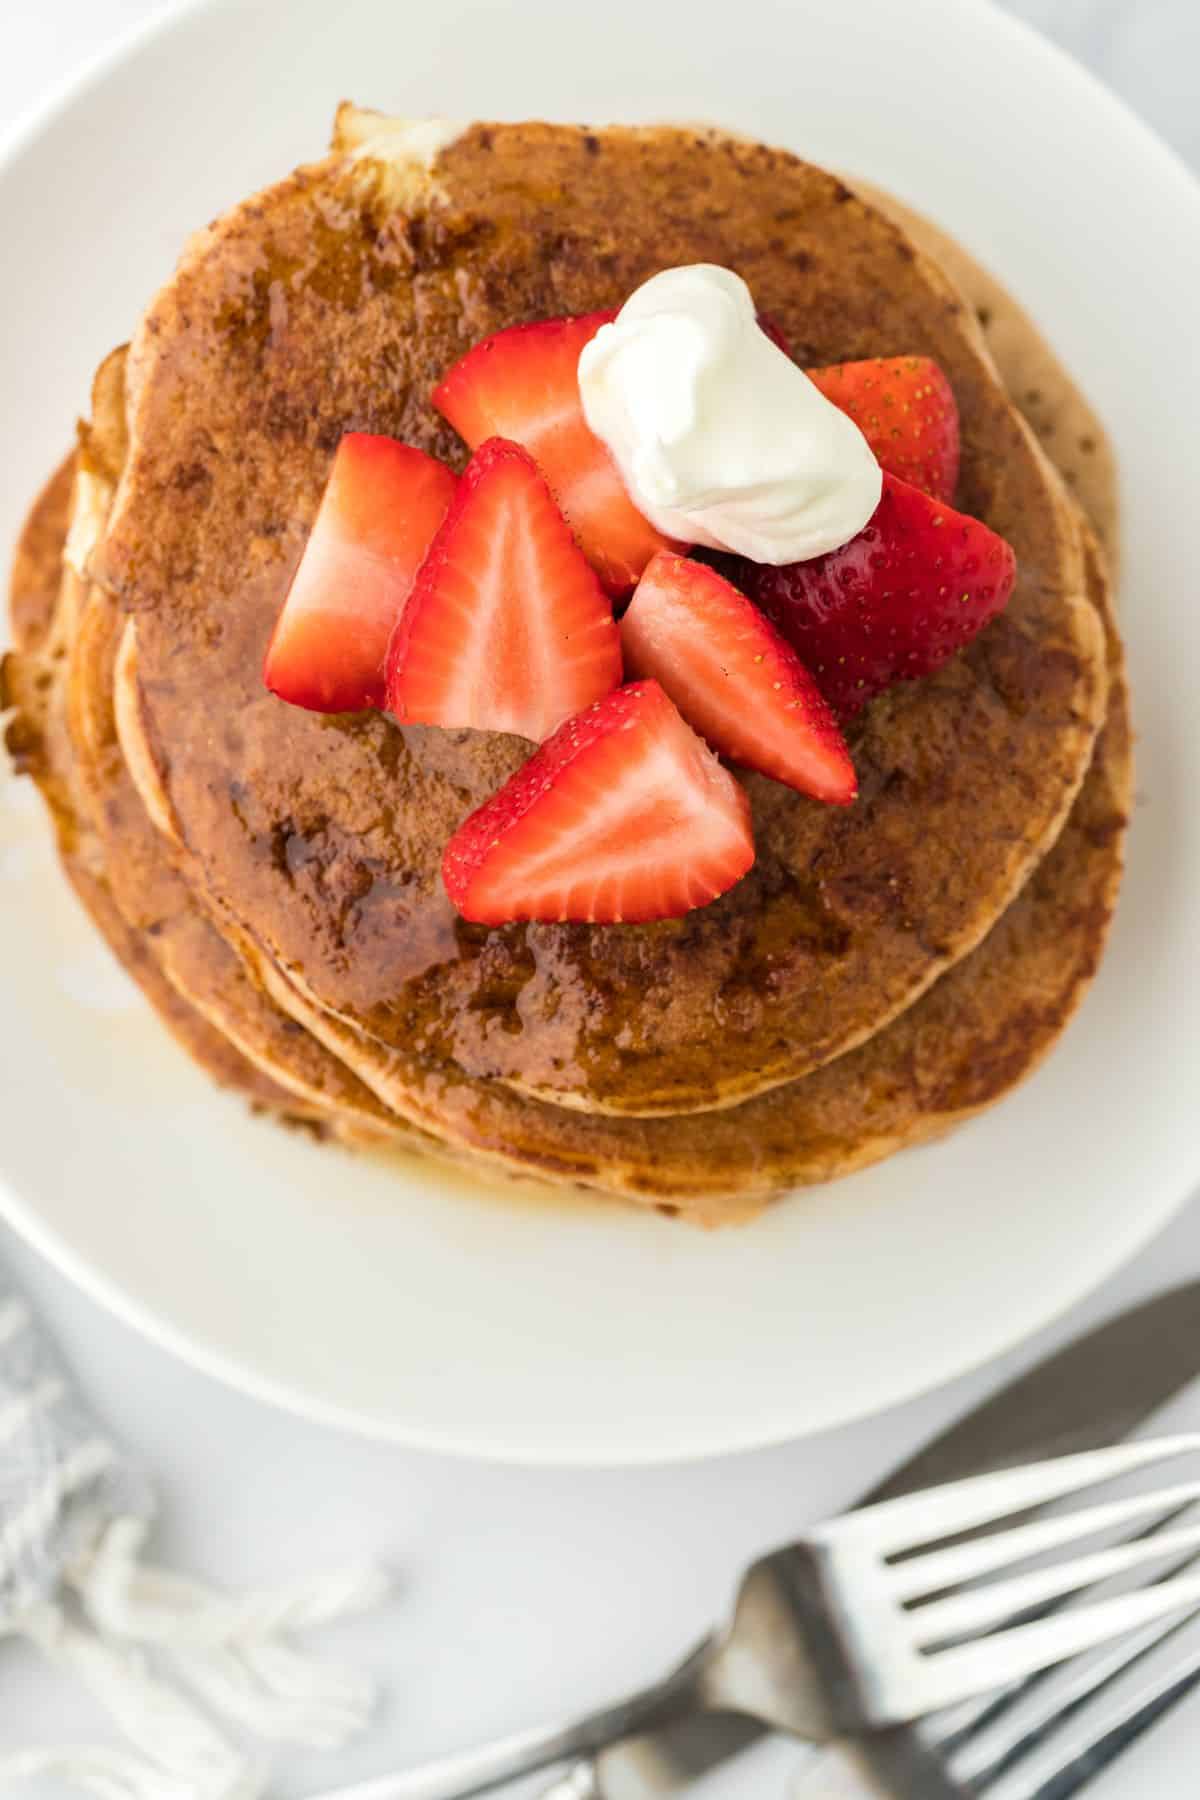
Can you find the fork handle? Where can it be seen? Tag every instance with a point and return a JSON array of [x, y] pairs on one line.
[[887, 1766], [838, 1771], [471, 1772]]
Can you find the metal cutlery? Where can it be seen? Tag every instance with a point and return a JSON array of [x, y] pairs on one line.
[[1096, 1390], [879, 1617]]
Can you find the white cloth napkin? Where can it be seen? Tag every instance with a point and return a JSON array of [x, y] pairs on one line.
[[174, 1663]]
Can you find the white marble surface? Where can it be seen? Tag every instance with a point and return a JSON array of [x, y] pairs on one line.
[[523, 1594]]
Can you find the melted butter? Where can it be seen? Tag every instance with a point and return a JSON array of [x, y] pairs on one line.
[[407, 148]]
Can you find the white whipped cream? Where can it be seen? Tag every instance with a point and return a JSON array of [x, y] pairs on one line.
[[720, 438]]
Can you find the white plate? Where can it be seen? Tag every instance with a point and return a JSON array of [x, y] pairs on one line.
[[429, 1308]]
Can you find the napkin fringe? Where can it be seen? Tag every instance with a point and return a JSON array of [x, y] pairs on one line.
[[95, 1769], [230, 1651]]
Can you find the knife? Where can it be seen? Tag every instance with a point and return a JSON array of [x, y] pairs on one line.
[[1096, 1391]]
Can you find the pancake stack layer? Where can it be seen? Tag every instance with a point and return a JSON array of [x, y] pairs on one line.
[[271, 877]]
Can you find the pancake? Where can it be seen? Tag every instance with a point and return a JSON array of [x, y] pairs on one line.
[[976, 1032], [319, 307], [43, 594], [155, 902], [955, 1051], [981, 1028], [148, 891], [984, 1026], [1062, 418], [967, 1041]]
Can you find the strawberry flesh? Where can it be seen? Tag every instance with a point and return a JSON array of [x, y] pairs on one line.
[[770, 325], [918, 583], [382, 504], [905, 408], [623, 816], [507, 627], [523, 384], [734, 678]]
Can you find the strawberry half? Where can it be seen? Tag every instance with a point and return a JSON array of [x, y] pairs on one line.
[[507, 627], [381, 506], [918, 582], [905, 408], [624, 815], [523, 384], [733, 678]]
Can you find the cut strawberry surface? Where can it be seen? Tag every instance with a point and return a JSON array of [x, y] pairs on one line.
[[734, 678], [774, 330], [523, 384], [624, 815], [904, 406], [507, 627], [917, 584], [381, 507]]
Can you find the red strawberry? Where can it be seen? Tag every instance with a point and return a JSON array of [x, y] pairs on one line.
[[733, 678], [381, 506], [507, 628], [916, 584], [523, 383], [904, 407], [769, 323], [624, 815]]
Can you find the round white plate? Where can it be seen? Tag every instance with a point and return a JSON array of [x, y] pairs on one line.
[[432, 1308]]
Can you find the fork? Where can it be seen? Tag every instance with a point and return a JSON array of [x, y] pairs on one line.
[[877, 1618], [1043, 1739]]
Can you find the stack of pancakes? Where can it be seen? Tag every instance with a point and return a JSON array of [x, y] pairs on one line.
[[272, 877]]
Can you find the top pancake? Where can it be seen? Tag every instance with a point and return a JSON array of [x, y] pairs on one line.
[[326, 305]]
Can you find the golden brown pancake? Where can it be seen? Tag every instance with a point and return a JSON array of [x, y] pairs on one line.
[[1062, 417], [968, 1040], [958, 1048], [155, 901], [320, 307], [971, 1037], [982, 1027], [37, 741]]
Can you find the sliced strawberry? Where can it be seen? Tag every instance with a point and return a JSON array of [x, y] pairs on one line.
[[905, 408], [523, 384], [917, 583], [507, 627], [733, 678], [381, 506], [624, 815], [770, 324]]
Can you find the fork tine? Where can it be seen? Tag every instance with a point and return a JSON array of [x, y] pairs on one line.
[[938, 1569], [1036, 1708], [1022, 1650], [1097, 1733], [897, 1525], [962, 1615], [977, 1735]]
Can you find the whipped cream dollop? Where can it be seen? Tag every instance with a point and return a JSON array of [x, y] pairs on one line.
[[720, 438]]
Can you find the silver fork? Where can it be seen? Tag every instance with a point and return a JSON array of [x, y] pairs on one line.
[[875, 1619]]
